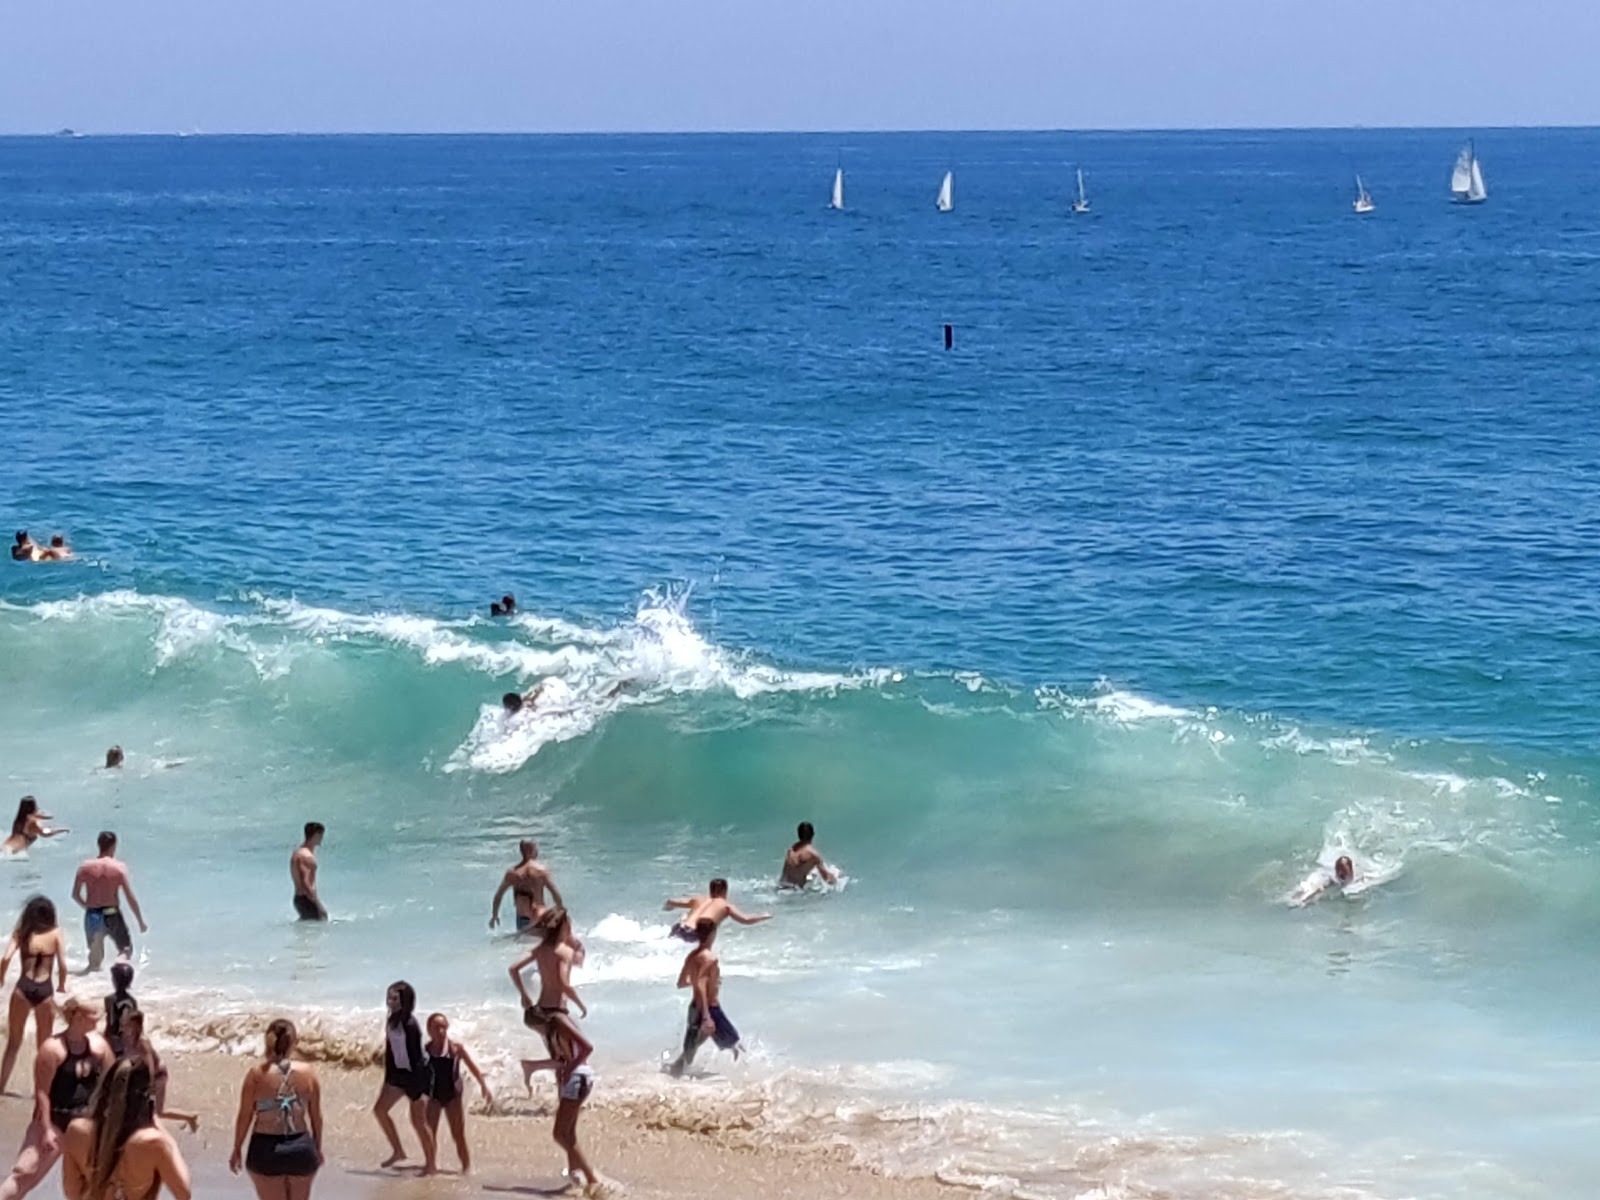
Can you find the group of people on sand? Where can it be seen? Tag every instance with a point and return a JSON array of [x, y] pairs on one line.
[[25, 549]]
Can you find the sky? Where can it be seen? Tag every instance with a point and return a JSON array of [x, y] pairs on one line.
[[638, 65]]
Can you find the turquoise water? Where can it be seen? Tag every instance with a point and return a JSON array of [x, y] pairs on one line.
[[1233, 533]]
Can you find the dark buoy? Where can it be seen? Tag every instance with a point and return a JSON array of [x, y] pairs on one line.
[[949, 336]]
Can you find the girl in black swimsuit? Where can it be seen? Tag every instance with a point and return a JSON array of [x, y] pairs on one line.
[[37, 941], [445, 1092], [405, 1073]]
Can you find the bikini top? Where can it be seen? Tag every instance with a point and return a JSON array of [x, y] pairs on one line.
[[287, 1099]]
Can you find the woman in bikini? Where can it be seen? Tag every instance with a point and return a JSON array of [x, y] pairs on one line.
[[117, 1151], [29, 826], [446, 1092], [280, 1110], [37, 941]]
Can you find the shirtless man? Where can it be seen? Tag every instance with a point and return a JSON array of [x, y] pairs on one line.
[[801, 859], [99, 887], [303, 872], [527, 882], [59, 551], [549, 1018], [714, 907], [703, 975], [1319, 881]]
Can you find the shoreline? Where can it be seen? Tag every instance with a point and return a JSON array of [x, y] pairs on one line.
[[636, 1154]]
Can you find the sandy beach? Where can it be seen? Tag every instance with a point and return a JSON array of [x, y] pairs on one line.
[[641, 1151]]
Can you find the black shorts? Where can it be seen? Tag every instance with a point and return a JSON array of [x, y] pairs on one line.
[[415, 1084], [308, 909], [108, 922], [278, 1154]]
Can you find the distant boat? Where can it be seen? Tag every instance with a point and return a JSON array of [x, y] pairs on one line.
[[1363, 201], [838, 190], [1466, 181], [1081, 204], [947, 192]]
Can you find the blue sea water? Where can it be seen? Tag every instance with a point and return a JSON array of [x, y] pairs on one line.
[[1234, 531]]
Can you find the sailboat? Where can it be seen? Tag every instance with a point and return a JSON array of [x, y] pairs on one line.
[[947, 192], [1081, 204], [1466, 181], [838, 190], [1363, 201]]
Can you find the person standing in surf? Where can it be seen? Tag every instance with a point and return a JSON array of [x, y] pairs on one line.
[[702, 974], [100, 885], [405, 1074], [37, 941], [802, 859], [714, 906], [527, 882], [303, 873]]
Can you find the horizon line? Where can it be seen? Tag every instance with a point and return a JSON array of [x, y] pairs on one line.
[[66, 130]]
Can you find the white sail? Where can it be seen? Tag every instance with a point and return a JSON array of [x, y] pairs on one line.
[[947, 193], [1081, 204], [1363, 202], [838, 189], [1477, 191], [1461, 177]]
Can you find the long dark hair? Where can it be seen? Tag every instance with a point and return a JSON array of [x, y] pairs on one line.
[[408, 1002], [38, 916], [123, 1104], [27, 808], [552, 925]]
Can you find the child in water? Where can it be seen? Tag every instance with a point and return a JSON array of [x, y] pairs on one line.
[[446, 1094]]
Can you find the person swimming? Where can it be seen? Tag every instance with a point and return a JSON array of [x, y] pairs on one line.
[[515, 702], [58, 551], [114, 758], [25, 550], [29, 826], [506, 606], [1313, 885], [803, 859]]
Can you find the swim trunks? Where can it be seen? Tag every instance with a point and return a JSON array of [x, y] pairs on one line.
[[524, 923], [726, 1036], [685, 933], [107, 922], [307, 909]]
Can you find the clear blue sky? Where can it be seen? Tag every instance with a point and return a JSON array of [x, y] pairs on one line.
[[423, 65]]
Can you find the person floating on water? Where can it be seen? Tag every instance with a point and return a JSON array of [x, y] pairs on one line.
[[99, 887], [714, 906], [114, 758], [515, 702], [506, 606], [1313, 885], [59, 551], [527, 882], [303, 871], [25, 549], [703, 975], [29, 826], [802, 859]]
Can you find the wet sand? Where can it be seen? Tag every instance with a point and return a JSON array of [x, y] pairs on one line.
[[639, 1151]]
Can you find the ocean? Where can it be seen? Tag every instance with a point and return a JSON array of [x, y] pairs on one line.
[[1234, 532]]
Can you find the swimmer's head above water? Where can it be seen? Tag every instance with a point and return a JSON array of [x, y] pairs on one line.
[[113, 758], [504, 607], [1343, 869]]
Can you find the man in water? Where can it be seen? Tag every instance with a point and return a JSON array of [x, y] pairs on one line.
[[801, 859], [506, 606], [99, 887], [1319, 881], [59, 551], [514, 702], [714, 907], [25, 550], [702, 974], [114, 758], [527, 882], [303, 871]]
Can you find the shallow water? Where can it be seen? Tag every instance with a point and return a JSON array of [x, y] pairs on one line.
[[1235, 533]]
